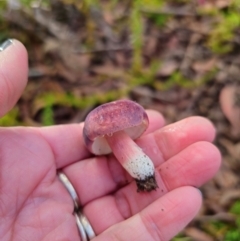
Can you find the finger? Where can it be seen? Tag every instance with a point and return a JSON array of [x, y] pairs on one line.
[[67, 141], [173, 138], [111, 176], [156, 121], [161, 220], [193, 166], [13, 74], [176, 137]]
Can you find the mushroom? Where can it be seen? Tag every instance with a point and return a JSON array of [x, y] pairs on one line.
[[112, 127]]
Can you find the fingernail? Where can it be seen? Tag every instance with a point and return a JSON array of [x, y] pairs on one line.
[[5, 44]]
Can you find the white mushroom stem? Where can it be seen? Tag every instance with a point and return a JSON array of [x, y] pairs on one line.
[[131, 156]]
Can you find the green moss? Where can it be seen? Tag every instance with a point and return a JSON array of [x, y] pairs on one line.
[[218, 225], [226, 231], [48, 116], [49, 99], [223, 31], [159, 19], [11, 118], [235, 209], [232, 235], [3, 5], [28, 3]]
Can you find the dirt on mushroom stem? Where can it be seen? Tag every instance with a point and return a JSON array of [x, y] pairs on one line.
[[147, 185]]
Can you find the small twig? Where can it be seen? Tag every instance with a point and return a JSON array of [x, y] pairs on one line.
[[168, 11], [189, 53], [35, 73], [114, 49], [101, 23], [229, 196], [56, 29], [221, 216]]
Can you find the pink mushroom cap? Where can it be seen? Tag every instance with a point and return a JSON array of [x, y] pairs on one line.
[[121, 115]]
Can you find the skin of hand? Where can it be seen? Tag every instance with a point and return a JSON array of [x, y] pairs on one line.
[[34, 205]]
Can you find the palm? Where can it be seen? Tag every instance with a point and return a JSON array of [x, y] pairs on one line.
[[33, 202]]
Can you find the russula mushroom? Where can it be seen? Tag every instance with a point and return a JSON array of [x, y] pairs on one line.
[[112, 127]]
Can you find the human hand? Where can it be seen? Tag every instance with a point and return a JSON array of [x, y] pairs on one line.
[[34, 204]]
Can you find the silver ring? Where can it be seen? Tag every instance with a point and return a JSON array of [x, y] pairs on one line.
[[84, 227], [65, 181], [87, 226], [81, 229]]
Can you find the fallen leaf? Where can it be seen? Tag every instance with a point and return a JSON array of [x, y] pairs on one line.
[[230, 106], [204, 66], [168, 68]]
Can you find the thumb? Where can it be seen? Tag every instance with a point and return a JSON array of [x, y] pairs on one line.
[[13, 73]]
